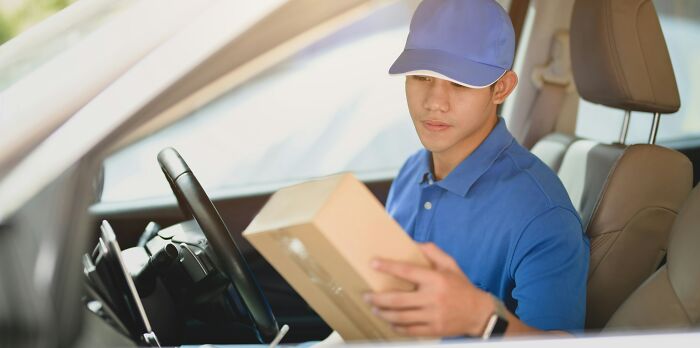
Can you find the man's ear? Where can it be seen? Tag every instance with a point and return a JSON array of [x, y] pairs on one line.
[[504, 86]]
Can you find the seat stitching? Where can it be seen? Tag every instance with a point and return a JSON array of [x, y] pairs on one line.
[[643, 56], [617, 71], [607, 253]]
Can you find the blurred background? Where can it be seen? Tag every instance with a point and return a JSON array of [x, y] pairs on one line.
[[18, 15]]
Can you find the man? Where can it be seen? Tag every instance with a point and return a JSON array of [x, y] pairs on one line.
[[515, 258]]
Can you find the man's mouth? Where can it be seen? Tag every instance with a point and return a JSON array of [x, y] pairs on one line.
[[435, 126]]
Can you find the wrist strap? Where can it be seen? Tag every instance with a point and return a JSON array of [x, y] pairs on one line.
[[498, 322]]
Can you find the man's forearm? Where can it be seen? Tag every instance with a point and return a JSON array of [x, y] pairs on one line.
[[516, 327]]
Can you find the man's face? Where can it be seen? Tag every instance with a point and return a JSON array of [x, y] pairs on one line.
[[447, 115]]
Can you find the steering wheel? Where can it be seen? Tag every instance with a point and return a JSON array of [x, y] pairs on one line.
[[193, 201]]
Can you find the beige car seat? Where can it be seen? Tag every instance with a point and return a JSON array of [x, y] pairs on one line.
[[670, 298], [628, 197]]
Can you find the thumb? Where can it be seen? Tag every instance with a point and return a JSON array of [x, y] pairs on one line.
[[439, 258]]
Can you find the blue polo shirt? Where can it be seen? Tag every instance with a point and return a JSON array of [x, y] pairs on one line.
[[507, 220]]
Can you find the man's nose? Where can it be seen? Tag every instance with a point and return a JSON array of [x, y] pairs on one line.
[[437, 98]]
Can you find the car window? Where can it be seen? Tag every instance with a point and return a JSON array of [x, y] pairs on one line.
[[330, 108], [680, 22]]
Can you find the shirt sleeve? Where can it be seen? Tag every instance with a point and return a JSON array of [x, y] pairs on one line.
[[550, 268]]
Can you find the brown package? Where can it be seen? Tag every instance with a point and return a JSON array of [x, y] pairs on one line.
[[320, 236]]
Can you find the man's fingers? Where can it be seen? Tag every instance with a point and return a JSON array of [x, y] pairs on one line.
[[396, 300], [438, 257], [412, 273], [402, 317]]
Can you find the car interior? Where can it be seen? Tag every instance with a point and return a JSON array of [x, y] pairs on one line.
[[180, 273]]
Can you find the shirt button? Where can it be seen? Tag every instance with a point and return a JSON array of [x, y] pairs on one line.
[[428, 205]]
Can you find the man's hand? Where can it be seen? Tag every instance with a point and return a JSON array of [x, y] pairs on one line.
[[445, 302]]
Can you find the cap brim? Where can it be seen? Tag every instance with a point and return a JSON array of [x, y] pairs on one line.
[[446, 66]]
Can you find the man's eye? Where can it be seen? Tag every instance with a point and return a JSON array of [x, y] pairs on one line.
[[458, 85], [421, 77]]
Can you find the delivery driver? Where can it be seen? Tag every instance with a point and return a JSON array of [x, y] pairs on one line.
[[507, 250]]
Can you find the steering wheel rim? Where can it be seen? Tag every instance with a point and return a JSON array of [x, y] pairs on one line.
[[194, 201]]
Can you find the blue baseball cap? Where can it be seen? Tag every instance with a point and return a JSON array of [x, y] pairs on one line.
[[469, 42]]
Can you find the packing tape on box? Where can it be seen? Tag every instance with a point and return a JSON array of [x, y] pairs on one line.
[[296, 250]]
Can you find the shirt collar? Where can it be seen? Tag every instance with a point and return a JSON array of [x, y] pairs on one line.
[[462, 177]]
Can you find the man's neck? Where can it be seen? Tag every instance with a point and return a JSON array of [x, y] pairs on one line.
[[446, 161]]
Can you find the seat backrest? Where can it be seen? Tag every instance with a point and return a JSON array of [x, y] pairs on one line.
[[670, 298], [628, 197], [630, 222]]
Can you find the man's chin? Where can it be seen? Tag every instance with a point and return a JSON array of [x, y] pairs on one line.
[[435, 144], [434, 148]]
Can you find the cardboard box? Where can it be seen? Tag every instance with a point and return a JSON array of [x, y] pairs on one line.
[[320, 236]]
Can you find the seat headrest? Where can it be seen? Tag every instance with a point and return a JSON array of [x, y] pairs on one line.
[[683, 257], [619, 56]]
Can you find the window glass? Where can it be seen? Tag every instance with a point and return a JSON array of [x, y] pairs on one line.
[[330, 108], [680, 22]]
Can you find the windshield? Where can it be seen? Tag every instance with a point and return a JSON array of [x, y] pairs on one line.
[[330, 108]]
